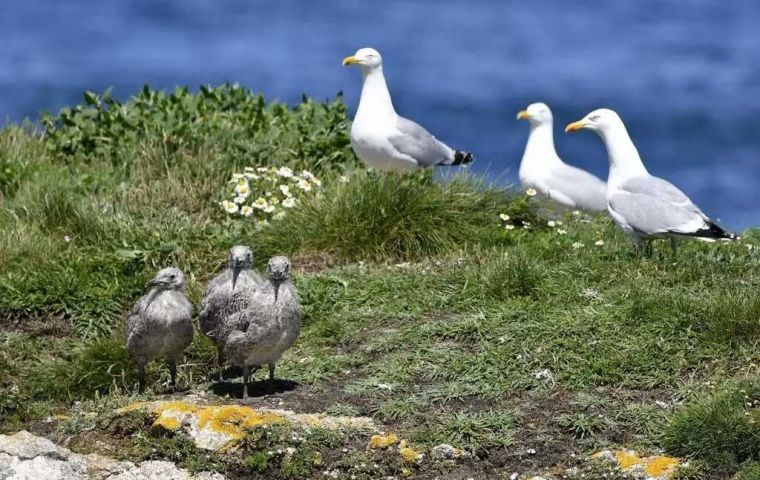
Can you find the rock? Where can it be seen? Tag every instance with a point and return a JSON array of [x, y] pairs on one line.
[[656, 467], [445, 451], [24, 456]]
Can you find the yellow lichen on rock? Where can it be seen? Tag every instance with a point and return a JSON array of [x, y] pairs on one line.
[[234, 420], [408, 453], [383, 441], [133, 407], [661, 465], [176, 406], [655, 467], [166, 423]]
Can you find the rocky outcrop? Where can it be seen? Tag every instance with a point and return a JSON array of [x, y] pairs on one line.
[[24, 456]]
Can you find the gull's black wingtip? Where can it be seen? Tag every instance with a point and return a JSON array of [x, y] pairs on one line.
[[463, 158], [715, 232]]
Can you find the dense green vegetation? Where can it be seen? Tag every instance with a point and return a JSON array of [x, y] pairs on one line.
[[421, 310]]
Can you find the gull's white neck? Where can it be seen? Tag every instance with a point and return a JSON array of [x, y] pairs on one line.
[[625, 162], [375, 102], [539, 151]]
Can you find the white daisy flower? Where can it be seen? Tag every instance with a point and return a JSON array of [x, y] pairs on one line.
[[509, 226], [285, 189], [531, 192], [308, 175], [551, 223], [262, 169], [239, 199], [289, 202], [269, 209], [229, 207], [285, 172], [260, 203], [599, 243], [561, 231], [304, 185], [242, 188], [343, 179], [577, 245], [246, 210], [236, 177], [504, 216]]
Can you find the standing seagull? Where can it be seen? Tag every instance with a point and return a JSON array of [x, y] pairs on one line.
[[542, 169], [217, 302], [161, 323], [384, 140], [269, 325], [644, 206]]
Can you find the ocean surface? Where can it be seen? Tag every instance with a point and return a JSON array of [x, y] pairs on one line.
[[683, 74]]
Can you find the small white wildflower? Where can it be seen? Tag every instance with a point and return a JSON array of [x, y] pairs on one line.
[[229, 207], [269, 208], [268, 194], [599, 243], [509, 226], [66, 238], [551, 223], [242, 188], [239, 199], [561, 231], [526, 224], [504, 217], [343, 179], [285, 189], [577, 245], [274, 200], [260, 203], [262, 169], [285, 172], [531, 192], [249, 169], [304, 185], [385, 386], [251, 176], [246, 210], [576, 213], [289, 202], [558, 222], [531, 451], [310, 177], [237, 177]]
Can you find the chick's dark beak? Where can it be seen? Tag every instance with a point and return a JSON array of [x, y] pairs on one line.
[[235, 274]]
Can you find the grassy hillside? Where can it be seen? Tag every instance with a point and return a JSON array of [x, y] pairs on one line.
[[421, 309]]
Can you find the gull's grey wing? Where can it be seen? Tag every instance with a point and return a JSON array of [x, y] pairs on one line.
[[577, 187], [418, 143], [653, 206]]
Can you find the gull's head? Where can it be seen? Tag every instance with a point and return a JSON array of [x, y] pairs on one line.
[[599, 121], [366, 58], [278, 270], [169, 278], [241, 258], [536, 113]]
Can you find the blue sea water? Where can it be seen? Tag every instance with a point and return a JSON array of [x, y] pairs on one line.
[[683, 74]]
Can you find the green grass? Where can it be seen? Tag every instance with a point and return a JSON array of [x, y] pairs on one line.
[[420, 308]]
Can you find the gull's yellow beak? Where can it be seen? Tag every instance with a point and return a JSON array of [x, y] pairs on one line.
[[523, 115], [575, 126], [350, 60]]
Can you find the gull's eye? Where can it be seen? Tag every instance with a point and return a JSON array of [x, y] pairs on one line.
[[594, 118]]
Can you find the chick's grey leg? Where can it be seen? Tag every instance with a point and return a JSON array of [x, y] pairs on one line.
[[271, 371], [246, 378], [173, 372], [141, 378], [220, 359]]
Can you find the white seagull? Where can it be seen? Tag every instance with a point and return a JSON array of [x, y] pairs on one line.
[[645, 206], [384, 140], [543, 170]]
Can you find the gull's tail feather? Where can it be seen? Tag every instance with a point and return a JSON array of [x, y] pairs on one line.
[[460, 158], [713, 232]]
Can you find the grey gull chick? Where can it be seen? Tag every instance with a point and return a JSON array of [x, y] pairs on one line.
[[161, 323]]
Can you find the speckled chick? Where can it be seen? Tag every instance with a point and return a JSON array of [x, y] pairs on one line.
[[161, 323], [268, 326], [218, 302]]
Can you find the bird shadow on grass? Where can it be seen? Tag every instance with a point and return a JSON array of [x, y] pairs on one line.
[[257, 388]]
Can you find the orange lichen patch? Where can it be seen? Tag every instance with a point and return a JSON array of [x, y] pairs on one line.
[[175, 406], [408, 453], [661, 465], [383, 441], [234, 420], [166, 423], [626, 459]]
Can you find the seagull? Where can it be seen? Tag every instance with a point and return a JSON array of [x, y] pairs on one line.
[[161, 323], [217, 302], [268, 326], [384, 140], [543, 170], [645, 206]]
